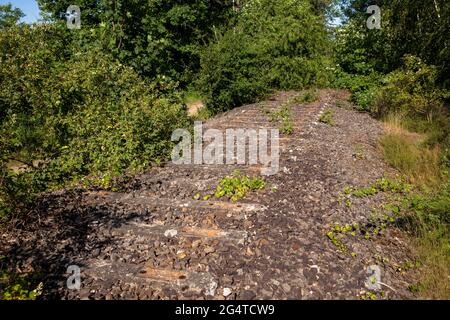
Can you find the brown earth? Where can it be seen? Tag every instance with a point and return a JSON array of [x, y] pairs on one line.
[[152, 240]]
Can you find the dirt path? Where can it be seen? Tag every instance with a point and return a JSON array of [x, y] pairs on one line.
[[152, 240]]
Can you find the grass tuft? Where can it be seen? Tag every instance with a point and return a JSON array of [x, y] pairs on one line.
[[425, 214]]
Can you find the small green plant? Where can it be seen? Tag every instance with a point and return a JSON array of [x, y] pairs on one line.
[[19, 292], [365, 192], [282, 115], [338, 230], [308, 97], [358, 152], [373, 228], [348, 203], [327, 117], [236, 186], [416, 288], [381, 185], [368, 296], [332, 236]]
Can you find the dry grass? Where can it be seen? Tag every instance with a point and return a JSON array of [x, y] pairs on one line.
[[406, 151], [427, 214]]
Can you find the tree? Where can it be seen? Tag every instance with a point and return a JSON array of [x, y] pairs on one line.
[[155, 37], [91, 10], [419, 28], [9, 16]]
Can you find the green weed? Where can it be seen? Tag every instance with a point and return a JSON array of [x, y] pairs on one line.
[[236, 186]]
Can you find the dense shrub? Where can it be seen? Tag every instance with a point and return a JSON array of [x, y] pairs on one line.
[[274, 45], [157, 37], [358, 50], [363, 87], [412, 27]]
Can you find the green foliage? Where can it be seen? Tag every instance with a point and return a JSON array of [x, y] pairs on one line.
[[236, 186], [338, 231], [157, 37], [283, 116], [420, 28], [426, 217], [410, 91], [381, 185], [368, 296], [408, 27], [357, 50], [17, 287], [274, 45], [308, 97], [79, 109], [337, 242], [9, 16], [19, 291], [363, 87], [430, 209], [424, 213]]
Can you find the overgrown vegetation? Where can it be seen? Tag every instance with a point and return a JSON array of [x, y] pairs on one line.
[[309, 96], [84, 106], [425, 213], [418, 162], [82, 114], [273, 45], [91, 104]]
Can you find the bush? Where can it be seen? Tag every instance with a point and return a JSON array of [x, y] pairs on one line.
[[78, 110], [362, 86], [274, 45], [427, 219], [158, 37], [419, 163], [231, 75]]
